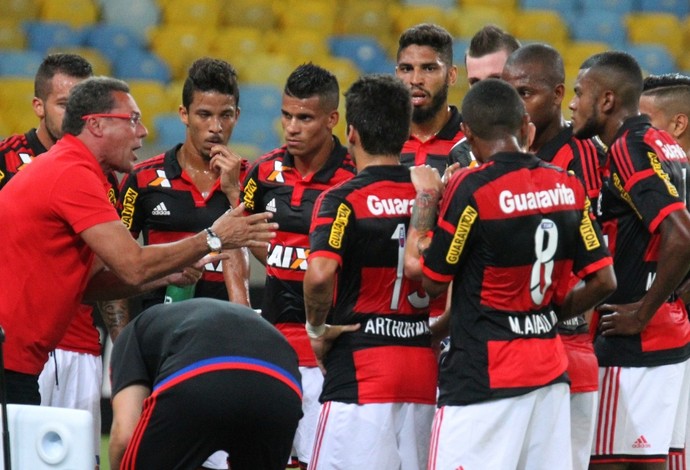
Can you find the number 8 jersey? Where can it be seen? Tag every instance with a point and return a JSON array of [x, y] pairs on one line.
[[509, 235]]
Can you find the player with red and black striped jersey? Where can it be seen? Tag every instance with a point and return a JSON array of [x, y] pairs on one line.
[[380, 385], [536, 71], [506, 362], [642, 334], [287, 181]]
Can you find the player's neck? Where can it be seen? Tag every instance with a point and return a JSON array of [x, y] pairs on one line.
[[308, 164], [365, 160], [429, 128], [548, 133], [197, 169], [44, 137]]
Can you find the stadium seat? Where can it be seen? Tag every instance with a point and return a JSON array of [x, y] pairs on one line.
[[437, 3], [168, 129], [541, 25], [231, 41], [653, 58], [259, 131], [20, 10], [153, 99], [44, 35], [313, 15], [250, 13], [460, 47], [180, 45], [411, 15], [577, 52], [139, 16], [19, 63], [472, 19], [680, 8], [344, 69], [112, 40], [657, 28], [204, 13], [366, 52], [266, 69], [599, 26], [16, 95], [503, 4], [621, 7], [101, 65], [141, 65], [258, 100], [565, 8], [11, 34], [364, 17], [77, 13], [299, 44]]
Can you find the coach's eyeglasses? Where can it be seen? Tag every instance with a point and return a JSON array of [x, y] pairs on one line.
[[134, 118]]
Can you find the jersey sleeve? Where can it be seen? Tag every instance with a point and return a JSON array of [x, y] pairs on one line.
[[250, 192], [586, 165], [332, 221], [452, 236], [129, 206], [638, 178], [128, 366]]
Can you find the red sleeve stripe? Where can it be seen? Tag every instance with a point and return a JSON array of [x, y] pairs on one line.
[[621, 156]]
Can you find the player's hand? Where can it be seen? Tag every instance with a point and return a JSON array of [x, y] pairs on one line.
[[622, 319], [449, 172], [324, 343], [426, 178], [228, 164], [192, 274], [236, 230]]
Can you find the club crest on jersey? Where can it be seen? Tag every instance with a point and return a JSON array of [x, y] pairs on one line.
[[335, 239], [128, 201], [288, 257], [277, 173], [249, 190], [161, 180]]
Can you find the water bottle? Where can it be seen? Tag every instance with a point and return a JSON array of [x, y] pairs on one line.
[[174, 293]]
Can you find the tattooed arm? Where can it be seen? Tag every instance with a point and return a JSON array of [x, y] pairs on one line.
[[115, 314], [429, 189]]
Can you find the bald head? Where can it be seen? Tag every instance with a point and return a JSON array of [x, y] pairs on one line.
[[545, 62]]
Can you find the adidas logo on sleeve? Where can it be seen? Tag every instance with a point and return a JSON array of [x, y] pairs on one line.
[[160, 209]]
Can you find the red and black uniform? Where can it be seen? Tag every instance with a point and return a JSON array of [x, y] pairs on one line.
[[221, 378], [362, 224], [434, 151], [159, 200], [16, 152], [504, 341], [648, 180], [274, 185], [582, 157]]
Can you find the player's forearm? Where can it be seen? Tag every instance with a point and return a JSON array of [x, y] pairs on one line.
[[107, 286], [588, 294], [236, 275], [115, 315], [318, 297]]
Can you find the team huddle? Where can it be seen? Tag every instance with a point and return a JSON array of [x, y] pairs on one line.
[[489, 286]]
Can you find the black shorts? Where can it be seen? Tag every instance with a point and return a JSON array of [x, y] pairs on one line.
[[250, 415], [21, 389]]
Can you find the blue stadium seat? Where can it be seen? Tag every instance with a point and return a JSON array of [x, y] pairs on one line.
[[621, 7], [260, 100], [680, 8], [141, 65], [366, 52], [19, 63], [460, 46], [261, 131], [599, 26], [169, 130], [136, 15], [44, 35], [436, 3], [112, 40], [565, 8], [653, 58]]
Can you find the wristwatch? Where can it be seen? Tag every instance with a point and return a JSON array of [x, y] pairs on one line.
[[213, 241]]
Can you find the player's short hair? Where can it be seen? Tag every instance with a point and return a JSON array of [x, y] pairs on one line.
[[548, 58], [668, 79], [379, 107], [671, 100], [207, 74], [428, 34], [620, 72], [92, 96], [309, 80], [72, 65], [491, 39], [492, 109]]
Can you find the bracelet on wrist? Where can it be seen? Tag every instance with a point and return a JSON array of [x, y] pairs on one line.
[[315, 332]]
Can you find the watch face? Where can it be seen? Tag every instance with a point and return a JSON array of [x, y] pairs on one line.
[[214, 243]]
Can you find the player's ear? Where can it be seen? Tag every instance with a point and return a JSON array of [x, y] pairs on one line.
[[39, 108], [559, 94], [352, 134], [680, 124], [184, 115]]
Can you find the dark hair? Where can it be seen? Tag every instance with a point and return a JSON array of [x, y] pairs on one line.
[[620, 72], [652, 82], [92, 96], [69, 64], [379, 107], [432, 35], [491, 39], [548, 58], [207, 74], [672, 99], [309, 80], [492, 109]]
